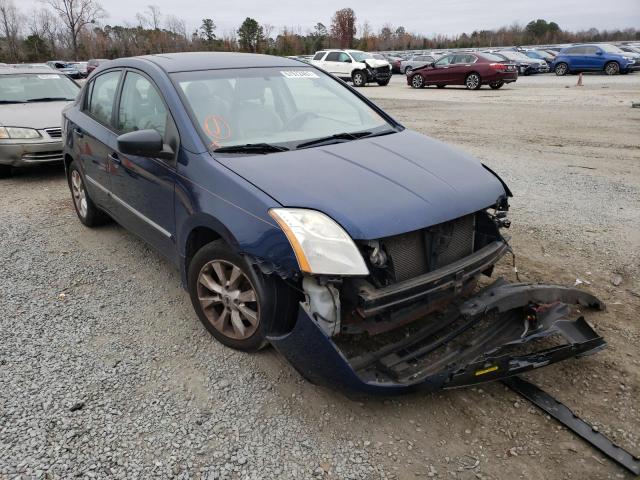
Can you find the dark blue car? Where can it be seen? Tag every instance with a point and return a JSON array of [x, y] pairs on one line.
[[593, 58], [302, 215]]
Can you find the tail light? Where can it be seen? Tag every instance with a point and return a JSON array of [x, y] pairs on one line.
[[498, 66]]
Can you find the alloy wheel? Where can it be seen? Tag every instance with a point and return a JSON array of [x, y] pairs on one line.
[[358, 79], [472, 81], [228, 299], [417, 81], [561, 69], [79, 193], [612, 68]]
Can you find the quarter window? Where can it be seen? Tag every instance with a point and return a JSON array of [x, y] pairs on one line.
[[141, 107], [103, 93]]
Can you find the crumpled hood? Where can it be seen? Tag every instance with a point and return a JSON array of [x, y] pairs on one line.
[[37, 115], [375, 63], [375, 187]]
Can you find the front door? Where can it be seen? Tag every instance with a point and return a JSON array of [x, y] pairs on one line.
[[440, 71], [142, 187]]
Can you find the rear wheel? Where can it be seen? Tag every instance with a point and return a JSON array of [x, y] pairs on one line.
[[612, 68], [417, 81], [5, 171], [496, 85], [235, 303], [472, 82], [562, 69], [359, 79], [87, 211]]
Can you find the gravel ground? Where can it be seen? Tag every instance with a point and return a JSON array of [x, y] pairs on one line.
[[105, 371]]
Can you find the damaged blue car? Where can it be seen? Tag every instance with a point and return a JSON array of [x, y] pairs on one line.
[[303, 216]]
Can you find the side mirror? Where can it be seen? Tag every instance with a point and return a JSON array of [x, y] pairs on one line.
[[145, 143], [347, 60], [432, 64], [599, 52]]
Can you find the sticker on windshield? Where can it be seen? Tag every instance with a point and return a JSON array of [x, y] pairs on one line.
[[299, 74], [48, 76]]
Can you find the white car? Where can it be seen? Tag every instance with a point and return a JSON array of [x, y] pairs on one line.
[[359, 67]]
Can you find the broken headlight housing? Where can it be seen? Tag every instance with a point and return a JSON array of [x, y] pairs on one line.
[[322, 247], [18, 133]]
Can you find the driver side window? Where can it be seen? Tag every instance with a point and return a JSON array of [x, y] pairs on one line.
[[444, 61], [343, 57]]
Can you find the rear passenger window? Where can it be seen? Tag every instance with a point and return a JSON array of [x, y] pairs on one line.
[[102, 96], [141, 107], [332, 57], [319, 55]]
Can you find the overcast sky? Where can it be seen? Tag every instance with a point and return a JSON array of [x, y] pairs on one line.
[[419, 16]]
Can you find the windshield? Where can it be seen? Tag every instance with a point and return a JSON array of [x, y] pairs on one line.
[[610, 49], [28, 87], [361, 56], [275, 106]]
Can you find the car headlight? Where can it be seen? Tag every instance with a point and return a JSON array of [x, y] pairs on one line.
[[321, 246], [628, 59], [18, 132]]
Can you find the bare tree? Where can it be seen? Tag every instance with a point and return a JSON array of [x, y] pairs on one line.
[[75, 15], [343, 27], [151, 18], [10, 21]]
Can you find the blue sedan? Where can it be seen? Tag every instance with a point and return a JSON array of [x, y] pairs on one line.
[[303, 216]]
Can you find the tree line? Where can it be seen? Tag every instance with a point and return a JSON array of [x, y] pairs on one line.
[[78, 29]]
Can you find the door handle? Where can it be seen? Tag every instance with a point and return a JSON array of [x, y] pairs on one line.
[[115, 159], [78, 132]]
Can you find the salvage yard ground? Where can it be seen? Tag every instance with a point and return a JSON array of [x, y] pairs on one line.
[[105, 370]]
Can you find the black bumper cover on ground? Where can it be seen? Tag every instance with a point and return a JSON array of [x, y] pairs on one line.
[[471, 349]]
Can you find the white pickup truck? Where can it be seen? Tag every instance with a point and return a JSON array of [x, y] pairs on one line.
[[359, 67]]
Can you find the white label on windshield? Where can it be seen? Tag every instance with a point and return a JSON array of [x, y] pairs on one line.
[[299, 74], [48, 76]]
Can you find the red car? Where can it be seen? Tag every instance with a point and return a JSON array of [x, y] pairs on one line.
[[470, 69]]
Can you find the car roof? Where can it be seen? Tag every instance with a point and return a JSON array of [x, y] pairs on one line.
[[32, 71], [193, 61]]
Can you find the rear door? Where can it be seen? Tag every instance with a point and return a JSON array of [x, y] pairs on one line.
[[460, 67], [331, 63], [95, 135], [578, 58], [143, 187]]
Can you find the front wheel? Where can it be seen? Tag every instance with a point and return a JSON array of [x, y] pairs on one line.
[[472, 81], [561, 69], [88, 213], [612, 68], [417, 81], [496, 85], [359, 79], [237, 304], [383, 83]]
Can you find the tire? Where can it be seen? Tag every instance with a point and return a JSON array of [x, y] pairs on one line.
[[384, 83], [473, 81], [5, 171], [417, 81], [269, 305], [496, 85], [440, 86], [407, 70], [359, 78], [561, 69], [612, 68], [88, 213]]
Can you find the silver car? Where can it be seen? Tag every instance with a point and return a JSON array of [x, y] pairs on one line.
[[31, 103], [415, 61]]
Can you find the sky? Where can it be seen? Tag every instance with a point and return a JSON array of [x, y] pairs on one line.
[[418, 16]]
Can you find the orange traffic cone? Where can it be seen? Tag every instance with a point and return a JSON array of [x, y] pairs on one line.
[[579, 84]]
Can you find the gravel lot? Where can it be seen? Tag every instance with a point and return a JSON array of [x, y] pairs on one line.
[[105, 371]]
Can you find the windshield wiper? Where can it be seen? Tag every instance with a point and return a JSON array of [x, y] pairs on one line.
[[11, 101], [49, 99], [332, 138], [251, 148]]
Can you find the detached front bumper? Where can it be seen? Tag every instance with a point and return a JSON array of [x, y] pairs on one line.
[[20, 153], [505, 330]]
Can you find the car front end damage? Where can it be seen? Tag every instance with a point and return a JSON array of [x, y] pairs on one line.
[[422, 321]]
